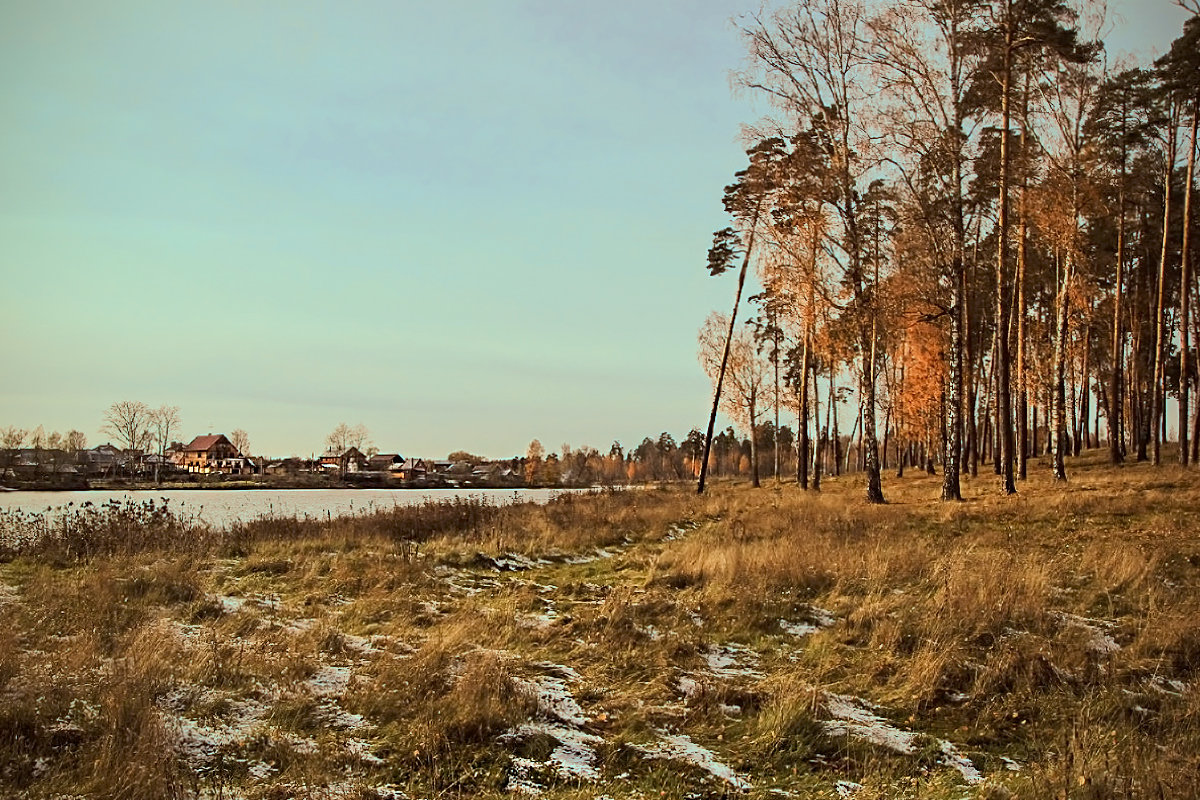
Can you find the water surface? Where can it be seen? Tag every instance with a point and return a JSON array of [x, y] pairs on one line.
[[222, 506]]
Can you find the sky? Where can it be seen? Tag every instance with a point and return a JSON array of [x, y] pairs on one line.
[[462, 224]]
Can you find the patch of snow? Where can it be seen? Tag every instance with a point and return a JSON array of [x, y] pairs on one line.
[[961, 763], [723, 661], [573, 758], [301, 624], [1010, 765], [229, 604], [300, 744], [329, 681], [554, 699], [797, 629], [190, 635], [846, 788], [198, 743], [362, 751], [339, 718], [359, 644], [696, 619], [731, 710], [652, 632], [852, 716], [513, 562], [689, 686], [1166, 686], [680, 529], [261, 770], [519, 781], [680, 747], [469, 585], [545, 619], [342, 790], [596, 555], [1099, 642], [537, 621]]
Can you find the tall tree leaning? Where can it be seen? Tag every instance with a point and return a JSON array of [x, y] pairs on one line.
[[811, 61], [744, 200]]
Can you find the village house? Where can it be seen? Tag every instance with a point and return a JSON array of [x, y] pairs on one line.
[[412, 469], [385, 462], [212, 453], [352, 460]]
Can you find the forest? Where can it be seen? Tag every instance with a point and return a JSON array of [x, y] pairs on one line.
[[970, 221]]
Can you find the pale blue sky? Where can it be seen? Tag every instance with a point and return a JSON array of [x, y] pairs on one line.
[[463, 224]]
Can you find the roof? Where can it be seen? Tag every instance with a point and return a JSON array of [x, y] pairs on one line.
[[205, 443]]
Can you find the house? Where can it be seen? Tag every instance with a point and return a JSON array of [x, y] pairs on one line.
[[413, 469], [487, 472], [213, 453], [386, 462], [288, 466], [350, 461], [99, 461]]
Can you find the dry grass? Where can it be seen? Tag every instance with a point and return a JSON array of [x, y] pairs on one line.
[[408, 653]]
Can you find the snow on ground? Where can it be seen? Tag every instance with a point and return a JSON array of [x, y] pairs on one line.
[[361, 750], [198, 743], [852, 716], [562, 719], [727, 661], [680, 529], [818, 618], [596, 555], [545, 619], [847, 788], [229, 604], [574, 757], [512, 562], [554, 699], [329, 681], [961, 763], [680, 747], [1165, 686], [1100, 641]]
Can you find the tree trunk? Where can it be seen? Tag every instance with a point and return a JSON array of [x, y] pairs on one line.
[[1157, 397], [802, 444], [835, 438], [1116, 391], [754, 439], [1004, 420], [1058, 381], [1185, 283], [737, 301]]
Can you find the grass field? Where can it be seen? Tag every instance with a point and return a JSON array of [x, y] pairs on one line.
[[645, 643]]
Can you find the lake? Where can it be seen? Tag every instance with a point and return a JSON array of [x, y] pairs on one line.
[[221, 506]]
